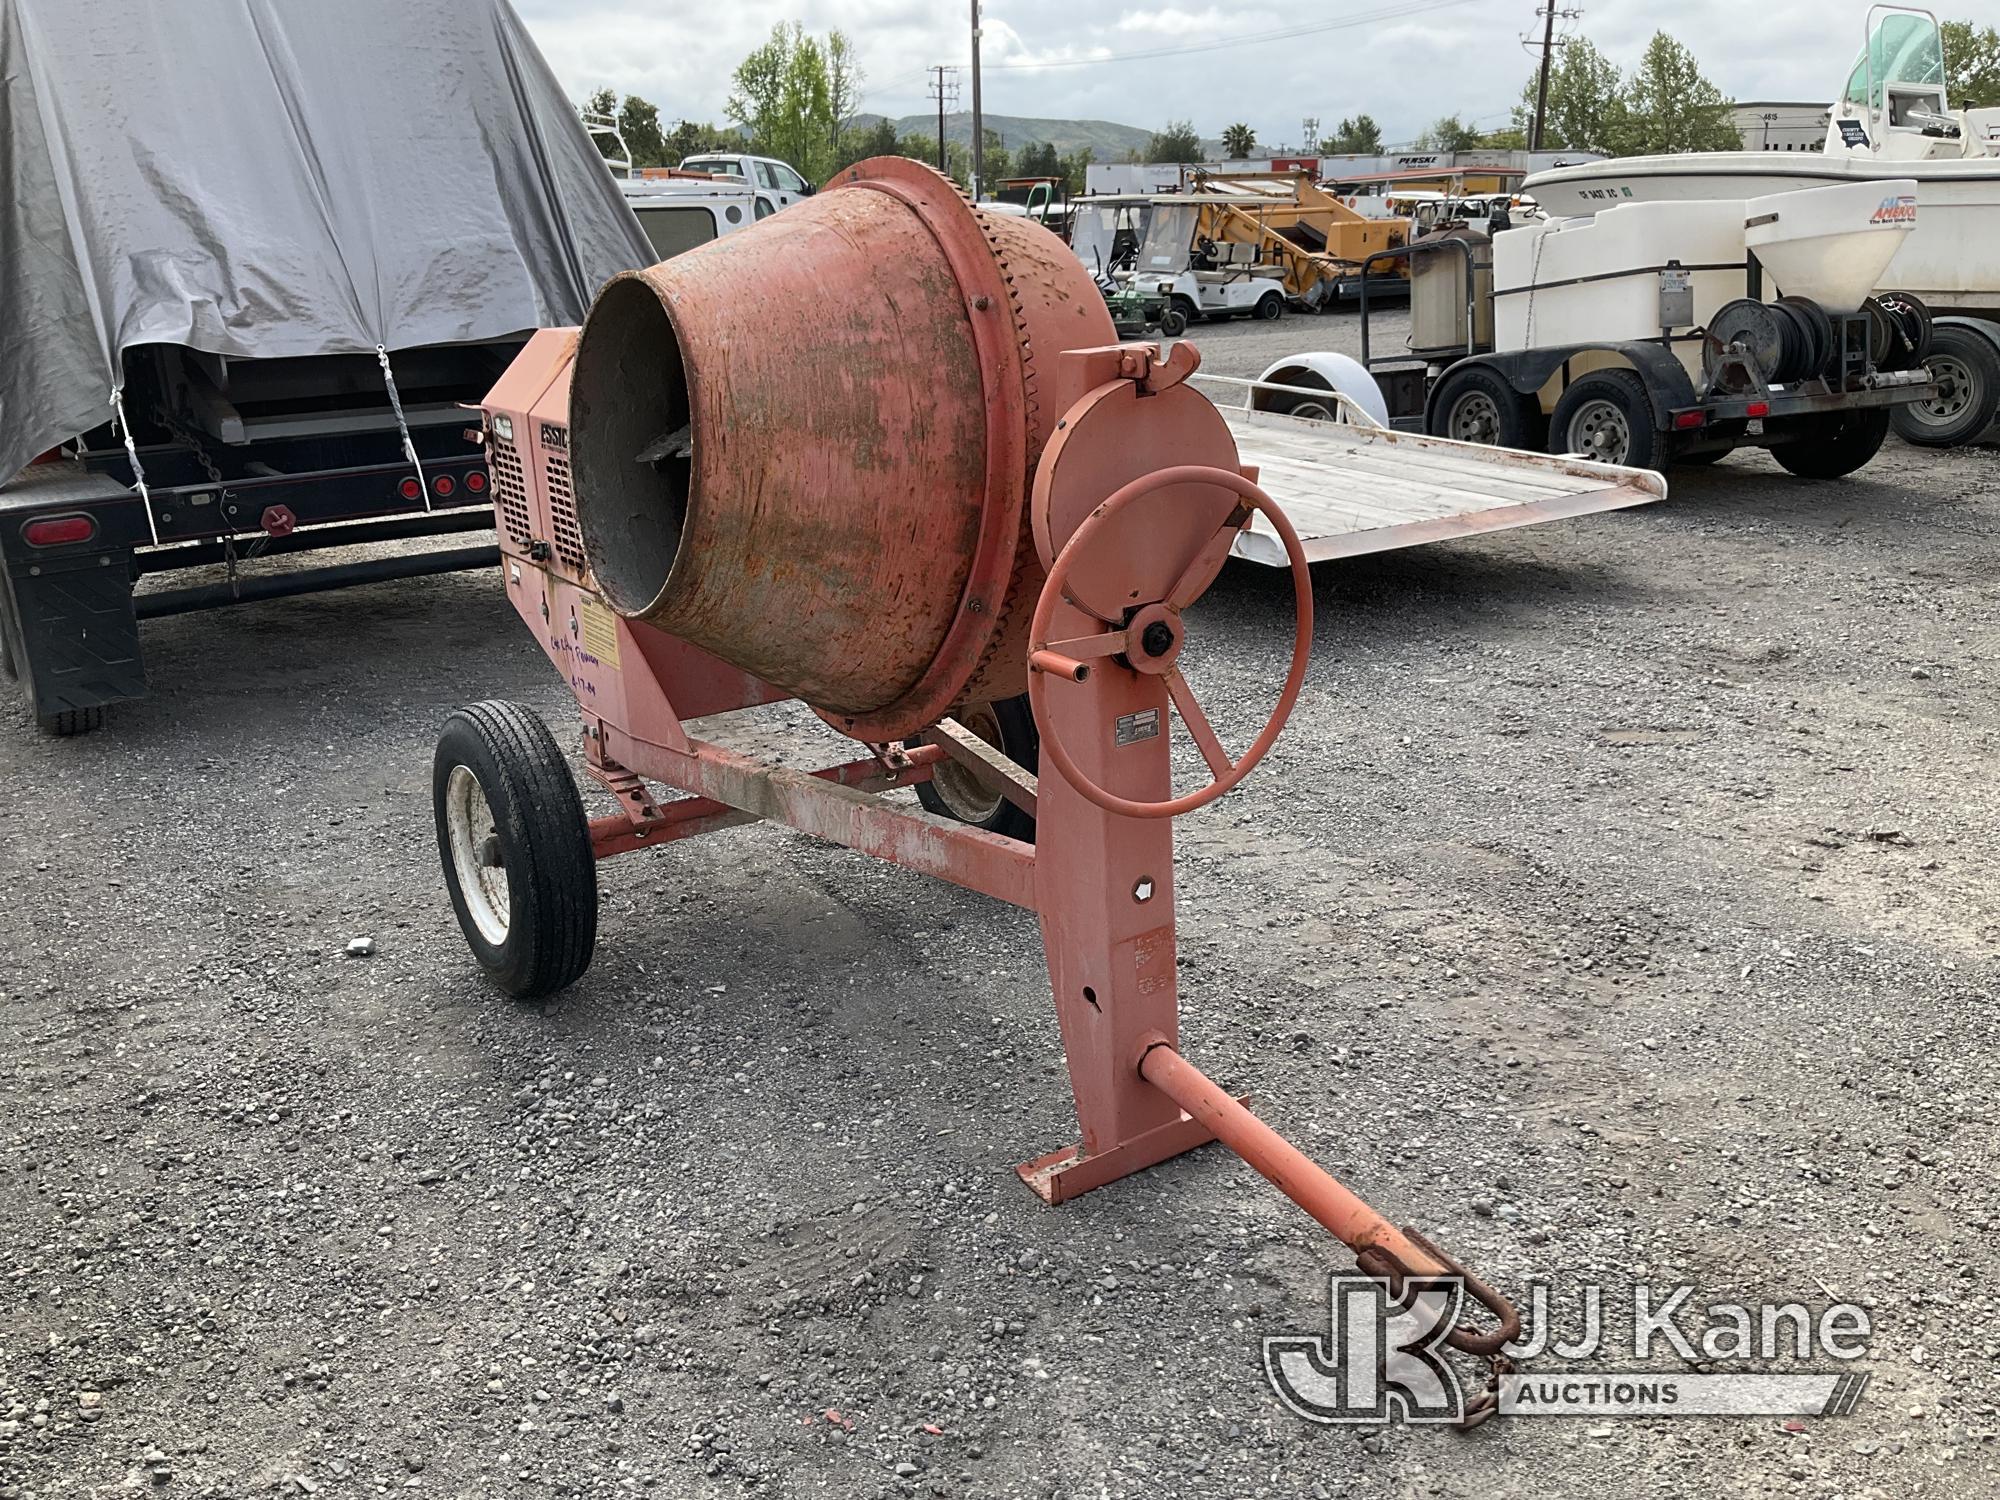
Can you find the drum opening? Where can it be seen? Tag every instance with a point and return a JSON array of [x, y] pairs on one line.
[[631, 443]]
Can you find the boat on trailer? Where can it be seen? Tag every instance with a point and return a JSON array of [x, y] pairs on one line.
[[1891, 122]]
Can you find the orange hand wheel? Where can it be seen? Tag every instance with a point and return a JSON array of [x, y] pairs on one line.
[[1148, 637]]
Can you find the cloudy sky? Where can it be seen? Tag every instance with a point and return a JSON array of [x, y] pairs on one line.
[[1403, 61]]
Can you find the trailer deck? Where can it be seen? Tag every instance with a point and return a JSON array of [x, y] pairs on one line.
[[1353, 488]]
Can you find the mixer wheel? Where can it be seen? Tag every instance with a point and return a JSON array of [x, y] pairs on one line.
[[515, 847], [1834, 445], [1008, 726]]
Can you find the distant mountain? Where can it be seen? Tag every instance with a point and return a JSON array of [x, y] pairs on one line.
[[1107, 140]]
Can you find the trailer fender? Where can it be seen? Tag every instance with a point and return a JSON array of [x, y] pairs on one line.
[[1326, 371], [1986, 328], [1528, 370]]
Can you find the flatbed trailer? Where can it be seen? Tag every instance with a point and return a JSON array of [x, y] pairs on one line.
[[1352, 487]]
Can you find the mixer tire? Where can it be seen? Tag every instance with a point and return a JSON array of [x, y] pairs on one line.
[[1967, 370], [1009, 726], [506, 805], [1607, 416], [1835, 445]]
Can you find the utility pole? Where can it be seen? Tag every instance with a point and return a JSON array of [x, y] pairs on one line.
[[978, 119], [1542, 88], [941, 89], [1548, 14]]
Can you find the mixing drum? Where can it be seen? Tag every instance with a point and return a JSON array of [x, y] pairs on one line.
[[806, 447]]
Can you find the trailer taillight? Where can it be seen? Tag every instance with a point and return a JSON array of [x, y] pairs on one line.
[[1685, 420], [476, 481], [443, 485], [1757, 409], [409, 489], [57, 531]]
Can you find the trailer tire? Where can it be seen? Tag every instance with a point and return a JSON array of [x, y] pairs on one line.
[[69, 722], [1008, 726], [1173, 322], [1608, 417], [504, 802], [1271, 306], [1477, 405], [1835, 445], [1967, 369]]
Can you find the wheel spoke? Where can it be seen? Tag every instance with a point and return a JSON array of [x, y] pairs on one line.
[[1197, 724], [1089, 647], [1194, 578]]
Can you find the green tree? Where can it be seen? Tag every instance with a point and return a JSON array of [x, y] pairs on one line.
[[1238, 141], [921, 146], [1038, 159], [639, 123], [1668, 105], [1360, 136], [995, 162], [1971, 65], [693, 138], [1177, 143], [1076, 169], [1448, 134], [796, 95], [878, 139], [1586, 101]]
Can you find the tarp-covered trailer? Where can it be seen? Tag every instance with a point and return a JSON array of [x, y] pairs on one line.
[[254, 254]]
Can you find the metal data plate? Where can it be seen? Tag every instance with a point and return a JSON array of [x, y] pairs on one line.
[[1676, 298], [1131, 728]]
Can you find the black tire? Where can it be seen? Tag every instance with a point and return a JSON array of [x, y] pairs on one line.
[[1835, 445], [1968, 371], [69, 722], [1190, 314], [1479, 401], [1602, 406], [539, 840], [1009, 725], [10, 662], [1173, 322], [1271, 306]]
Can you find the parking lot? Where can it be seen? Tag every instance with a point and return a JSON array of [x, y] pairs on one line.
[[1621, 906]]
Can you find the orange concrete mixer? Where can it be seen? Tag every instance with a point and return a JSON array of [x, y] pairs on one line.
[[810, 451], [880, 453]]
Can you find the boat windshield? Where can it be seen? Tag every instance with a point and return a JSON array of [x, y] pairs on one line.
[[1169, 237], [1903, 48]]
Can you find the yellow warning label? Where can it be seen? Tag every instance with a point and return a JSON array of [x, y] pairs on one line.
[[600, 631]]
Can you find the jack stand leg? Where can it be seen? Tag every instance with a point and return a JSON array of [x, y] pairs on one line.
[[1104, 888]]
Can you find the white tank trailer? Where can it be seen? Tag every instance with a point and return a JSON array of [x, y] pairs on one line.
[[1653, 333]]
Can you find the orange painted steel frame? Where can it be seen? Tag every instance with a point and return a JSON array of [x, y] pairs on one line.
[[1101, 876]]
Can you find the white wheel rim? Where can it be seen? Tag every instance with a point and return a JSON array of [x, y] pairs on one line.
[[1600, 431], [1475, 419], [475, 857], [1954, 395]]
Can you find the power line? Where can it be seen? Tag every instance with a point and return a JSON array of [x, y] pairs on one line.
[[1254, 39], [1548, 13], [943, 90]]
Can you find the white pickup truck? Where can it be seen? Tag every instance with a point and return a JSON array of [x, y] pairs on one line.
[[777, 185]]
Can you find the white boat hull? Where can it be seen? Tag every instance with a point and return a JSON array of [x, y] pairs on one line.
[[1951, 258]]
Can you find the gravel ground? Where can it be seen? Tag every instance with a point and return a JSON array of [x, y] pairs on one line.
[[1620, 906]]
